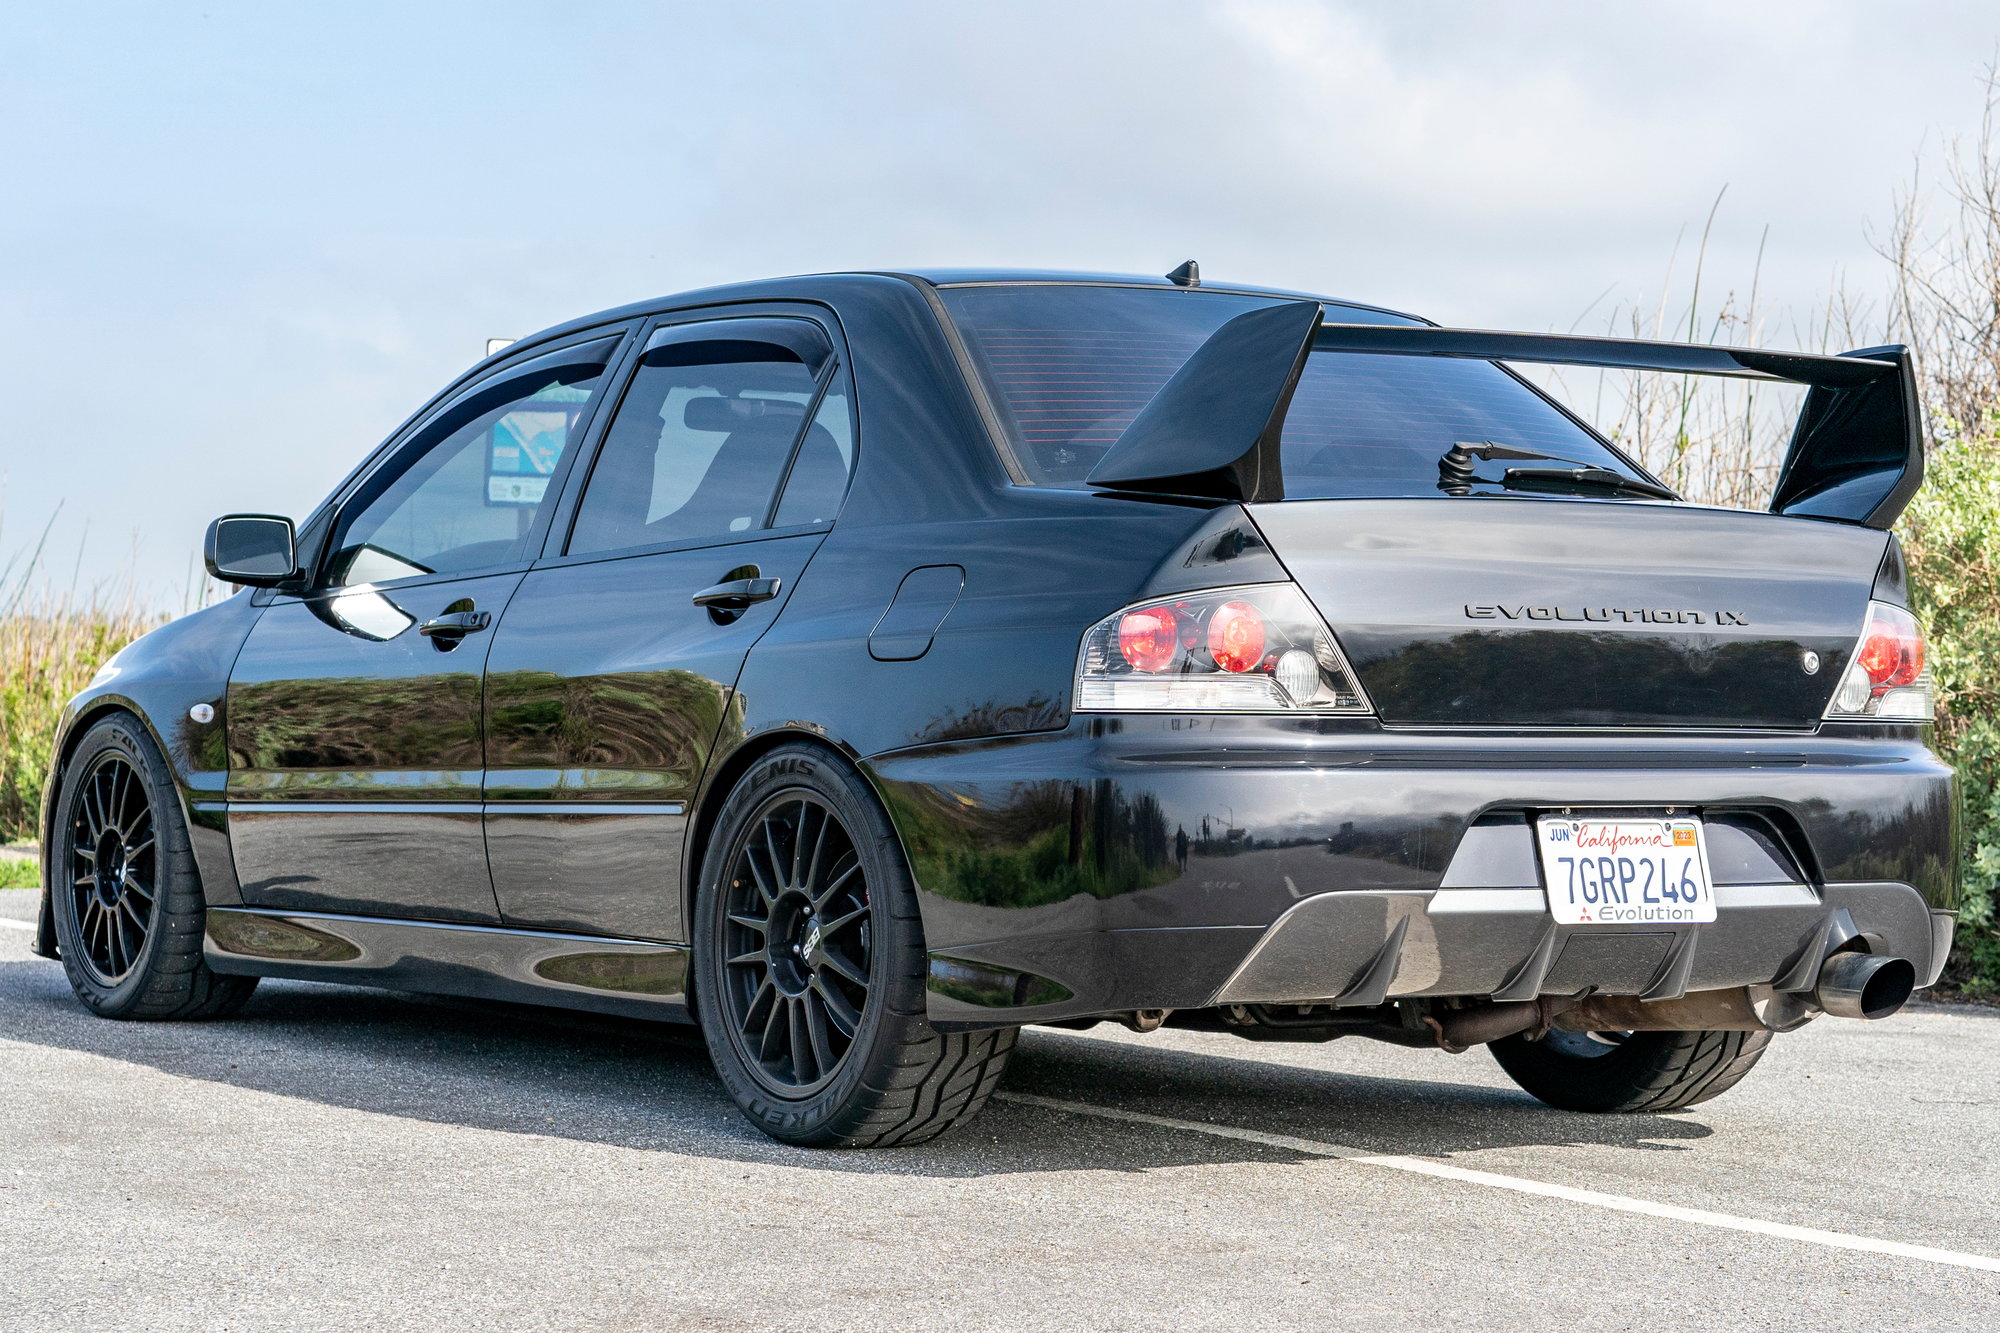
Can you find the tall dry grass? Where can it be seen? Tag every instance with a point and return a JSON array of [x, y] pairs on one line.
[[51, 644], [1714, 440]]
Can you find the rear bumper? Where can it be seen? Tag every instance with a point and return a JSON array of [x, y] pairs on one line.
[[1130, 863]]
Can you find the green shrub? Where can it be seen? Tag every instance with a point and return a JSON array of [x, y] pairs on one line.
[[1951, 535]]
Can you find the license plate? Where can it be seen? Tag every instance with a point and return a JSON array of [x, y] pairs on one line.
[[1625, 872]]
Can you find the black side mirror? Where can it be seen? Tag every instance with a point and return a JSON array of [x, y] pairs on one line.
[[256, 550]]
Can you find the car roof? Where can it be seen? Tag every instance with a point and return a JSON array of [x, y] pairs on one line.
[[799, 287], [953, 277]]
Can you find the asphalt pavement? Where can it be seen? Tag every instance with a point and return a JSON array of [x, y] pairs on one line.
[[338, 1158]]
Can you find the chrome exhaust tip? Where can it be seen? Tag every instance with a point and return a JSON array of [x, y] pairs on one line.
[[1862, 985]]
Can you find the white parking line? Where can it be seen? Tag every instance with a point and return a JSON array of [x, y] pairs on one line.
[[11, 924], [1617, 1202]]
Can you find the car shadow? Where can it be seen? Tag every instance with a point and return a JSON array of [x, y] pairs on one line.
[[647, 1086]]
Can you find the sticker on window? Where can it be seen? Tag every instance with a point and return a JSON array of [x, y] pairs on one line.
[[524, 450]]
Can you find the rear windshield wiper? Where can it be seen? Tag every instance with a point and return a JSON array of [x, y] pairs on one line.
[[1455, 475], [1584, 476]]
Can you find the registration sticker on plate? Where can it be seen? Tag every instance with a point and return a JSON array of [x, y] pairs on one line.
[[1625, 872]]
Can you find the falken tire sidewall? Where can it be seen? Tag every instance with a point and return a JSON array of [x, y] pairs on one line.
[[839, 1112]]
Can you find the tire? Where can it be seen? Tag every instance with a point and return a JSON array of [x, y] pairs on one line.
[[1629, 1072], [815, 1017], [131, 940]]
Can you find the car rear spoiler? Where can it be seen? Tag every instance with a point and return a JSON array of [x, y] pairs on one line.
[[1856, 453]]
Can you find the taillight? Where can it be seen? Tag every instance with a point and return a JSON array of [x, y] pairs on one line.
[[1887, 676], [1149, 638], [1259, 649], [1236, 636]]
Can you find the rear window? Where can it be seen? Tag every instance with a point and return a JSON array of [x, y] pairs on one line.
[[1070, 365]]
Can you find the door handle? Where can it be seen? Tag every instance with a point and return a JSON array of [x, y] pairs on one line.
[[738, 594], [454, 624]]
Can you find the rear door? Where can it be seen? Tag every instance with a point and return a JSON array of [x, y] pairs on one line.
[[615, 664], [354, 711]]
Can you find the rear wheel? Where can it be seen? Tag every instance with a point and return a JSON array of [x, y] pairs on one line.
[[1629, 1071], [129, 912], [810, 967]]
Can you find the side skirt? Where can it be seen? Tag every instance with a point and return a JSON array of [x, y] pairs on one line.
[[635, 978]]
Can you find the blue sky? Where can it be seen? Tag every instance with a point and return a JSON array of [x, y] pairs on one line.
[[239, 242]]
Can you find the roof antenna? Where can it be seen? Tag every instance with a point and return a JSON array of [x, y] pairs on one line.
[[1187, 275]]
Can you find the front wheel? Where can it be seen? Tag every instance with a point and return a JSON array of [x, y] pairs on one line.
[[1629, 1071], [810, 967], [129, 912]]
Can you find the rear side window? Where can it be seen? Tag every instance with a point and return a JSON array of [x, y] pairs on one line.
[[708, 429], [1071, 365]]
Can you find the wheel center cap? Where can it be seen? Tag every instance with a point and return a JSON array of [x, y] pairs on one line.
[[809, 942], [110, 868]]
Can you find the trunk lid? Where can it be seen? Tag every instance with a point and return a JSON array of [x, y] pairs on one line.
[[1518, 612]]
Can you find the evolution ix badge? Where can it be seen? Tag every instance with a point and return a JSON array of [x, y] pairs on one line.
[[1630, 615]]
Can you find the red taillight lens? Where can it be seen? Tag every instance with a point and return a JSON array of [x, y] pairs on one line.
[[1893, 652], [1254, 648], [1236, 636], [1149, 638], [1886, 677]]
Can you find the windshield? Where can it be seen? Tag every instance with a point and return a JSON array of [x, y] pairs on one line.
[[1070, 365]]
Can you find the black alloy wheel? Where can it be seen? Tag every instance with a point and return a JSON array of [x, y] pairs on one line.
[[125, 893], [798, 944], [810, 971], [113, 884]]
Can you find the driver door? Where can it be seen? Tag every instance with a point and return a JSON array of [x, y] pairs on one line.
[[354, 710]]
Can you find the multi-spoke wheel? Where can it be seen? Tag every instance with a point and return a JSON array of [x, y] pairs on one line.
[[798, 942], [1629, 1071], [112, 859], [125, 894], [810, 967]]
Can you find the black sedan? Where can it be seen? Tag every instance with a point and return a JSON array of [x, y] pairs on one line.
[[866, 665]]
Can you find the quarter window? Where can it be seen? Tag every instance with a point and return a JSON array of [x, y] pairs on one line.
[[818, 479]]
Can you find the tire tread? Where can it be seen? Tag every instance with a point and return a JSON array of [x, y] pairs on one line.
[[1655, 1072]]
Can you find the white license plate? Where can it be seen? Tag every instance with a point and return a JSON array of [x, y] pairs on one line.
[[1625, 872]]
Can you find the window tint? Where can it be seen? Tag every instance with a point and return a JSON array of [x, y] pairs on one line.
[[479, 476], [1375, 425], [818, 480], [697, 448], [1071, 366]]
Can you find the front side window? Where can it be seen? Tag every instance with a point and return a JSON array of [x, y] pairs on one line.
[[477, 477], [706, 432], [1072, 365]]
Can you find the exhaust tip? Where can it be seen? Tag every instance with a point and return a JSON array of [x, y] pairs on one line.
[[1861, 985]]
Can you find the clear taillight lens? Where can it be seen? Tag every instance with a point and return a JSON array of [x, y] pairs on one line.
[[1888, 676], [1259, 649]]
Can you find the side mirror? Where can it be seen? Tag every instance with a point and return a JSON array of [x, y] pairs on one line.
[[256, 550]]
